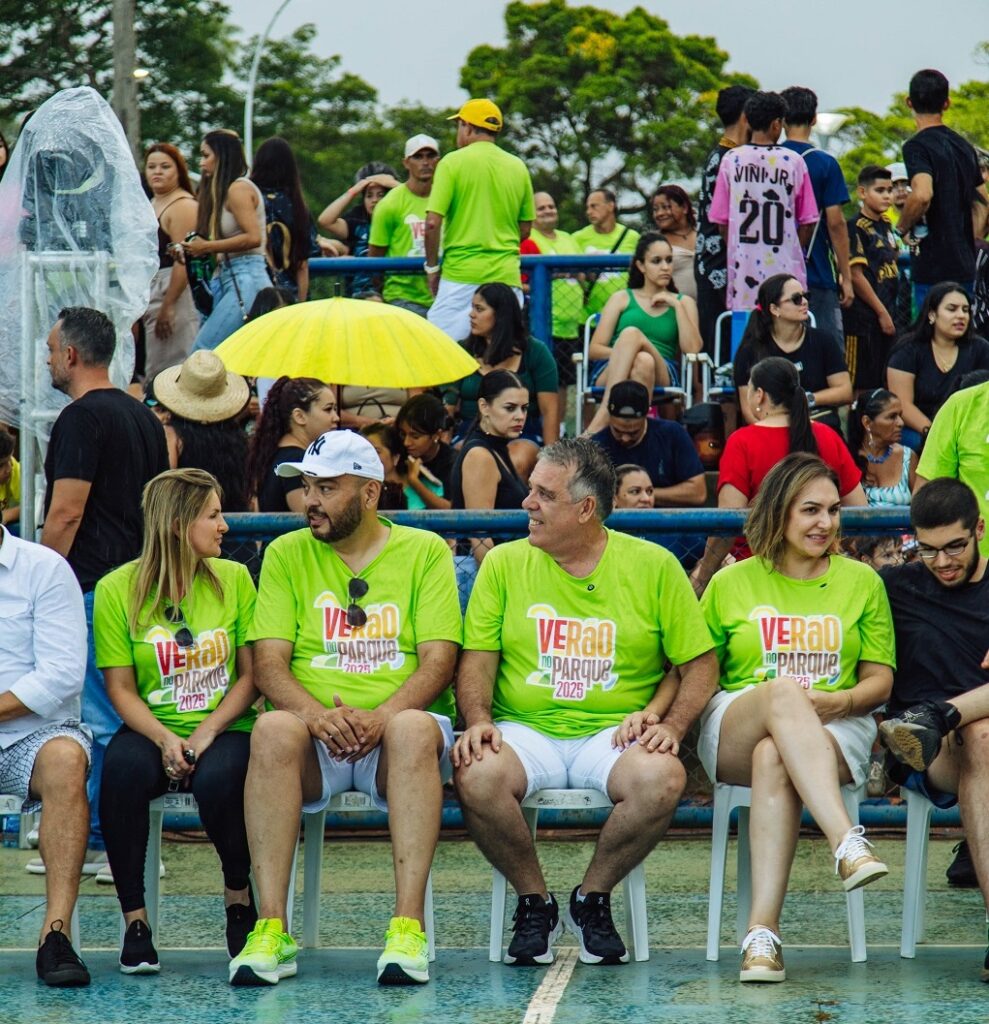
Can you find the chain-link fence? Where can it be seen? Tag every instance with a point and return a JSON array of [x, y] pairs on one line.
[[684, 532]]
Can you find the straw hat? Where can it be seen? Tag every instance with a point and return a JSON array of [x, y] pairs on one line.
[[200, 389]]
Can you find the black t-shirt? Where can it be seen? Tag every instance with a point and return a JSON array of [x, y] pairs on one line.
[[941, 635], [874, 249], [948, 251], [118, 445], [931, 387], [710, 256], [274, 489], [442, 465], [817, 358], [666, 453]]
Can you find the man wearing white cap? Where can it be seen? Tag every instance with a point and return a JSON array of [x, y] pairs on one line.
[[482, 203], [356, 634], [398, 225]]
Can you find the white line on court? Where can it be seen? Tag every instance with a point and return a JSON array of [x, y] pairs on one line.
[[546, 998]]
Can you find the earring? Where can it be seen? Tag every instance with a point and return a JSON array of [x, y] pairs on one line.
[[930, 320]]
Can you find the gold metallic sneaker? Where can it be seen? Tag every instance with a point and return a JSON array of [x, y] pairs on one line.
[[762, 956], [855, 862]]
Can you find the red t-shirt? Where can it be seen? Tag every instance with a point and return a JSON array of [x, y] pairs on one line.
[[751, 452]]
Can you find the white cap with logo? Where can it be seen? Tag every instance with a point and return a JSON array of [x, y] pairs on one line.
[[418, 142], [337, 453]]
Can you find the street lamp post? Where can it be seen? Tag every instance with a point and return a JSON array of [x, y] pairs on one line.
[[252, 79]]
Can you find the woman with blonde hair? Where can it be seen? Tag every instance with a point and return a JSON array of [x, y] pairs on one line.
[[171, 639], [805, 642]]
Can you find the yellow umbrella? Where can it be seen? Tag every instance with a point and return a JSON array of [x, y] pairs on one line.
[[347, 341]]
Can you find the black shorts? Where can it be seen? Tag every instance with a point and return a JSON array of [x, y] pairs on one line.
[[563, 352], [866, 352]]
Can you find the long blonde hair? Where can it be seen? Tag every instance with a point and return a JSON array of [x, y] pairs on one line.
[[168, 566], [765, 527]]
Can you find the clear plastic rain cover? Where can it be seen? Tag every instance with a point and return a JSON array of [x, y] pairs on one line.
[[76, 229]]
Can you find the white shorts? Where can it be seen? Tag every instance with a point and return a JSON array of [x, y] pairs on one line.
[[341, 776], [550, 763], [450, 311], [855, 736]]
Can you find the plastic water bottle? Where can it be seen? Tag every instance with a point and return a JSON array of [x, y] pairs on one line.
[[11, 830]]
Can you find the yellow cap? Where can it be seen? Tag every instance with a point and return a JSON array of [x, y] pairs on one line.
[[480, 113]]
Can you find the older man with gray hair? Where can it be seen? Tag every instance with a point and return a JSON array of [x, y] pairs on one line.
[[559, 686]]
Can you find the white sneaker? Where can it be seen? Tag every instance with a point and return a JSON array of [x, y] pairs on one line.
[[105, 875], [94, 862]]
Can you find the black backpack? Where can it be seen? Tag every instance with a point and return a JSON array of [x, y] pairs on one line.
[[280, 222]]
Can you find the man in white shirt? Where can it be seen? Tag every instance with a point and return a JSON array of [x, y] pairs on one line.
[[44, 751]]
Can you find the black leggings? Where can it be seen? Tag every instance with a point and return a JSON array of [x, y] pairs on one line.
[[133, 776]]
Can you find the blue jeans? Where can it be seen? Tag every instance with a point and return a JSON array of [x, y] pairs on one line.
[[99, 714], [244, 274], [826, 308]]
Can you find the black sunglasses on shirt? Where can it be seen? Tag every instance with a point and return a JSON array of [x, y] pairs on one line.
[[183, 636], [356, 589]]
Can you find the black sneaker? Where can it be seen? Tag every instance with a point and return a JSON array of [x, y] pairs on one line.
[[537, 926], [241, 920], [58, 964], [590, 921], [138, 954], [961, 871], [915, 736]]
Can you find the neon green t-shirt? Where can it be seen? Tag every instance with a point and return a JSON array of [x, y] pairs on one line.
[[578, 655], [482, 193], [411, 599], [766, 625], [608, 282], [568, 296], [181, 686], [398, 225], [10, 492], [958, 446]]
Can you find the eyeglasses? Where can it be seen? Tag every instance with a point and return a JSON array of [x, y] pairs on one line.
[[356, 589], [183, 636], [952, 550], [797, 298]]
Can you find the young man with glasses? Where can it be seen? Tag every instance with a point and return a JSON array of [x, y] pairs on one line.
[[356, 635], [560, 686], [936, 733]]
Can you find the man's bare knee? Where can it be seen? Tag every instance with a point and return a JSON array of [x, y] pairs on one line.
[[482, 781], [59, 769], [411, 730], [655, 780], [279, 736]]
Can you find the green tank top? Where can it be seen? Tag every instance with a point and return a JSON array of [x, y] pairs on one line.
[[661, 330]]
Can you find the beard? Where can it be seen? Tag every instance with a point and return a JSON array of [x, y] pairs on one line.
[[343, 525]]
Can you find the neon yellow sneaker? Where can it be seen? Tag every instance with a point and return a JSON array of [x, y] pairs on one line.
[[405, 960], [267, 957]]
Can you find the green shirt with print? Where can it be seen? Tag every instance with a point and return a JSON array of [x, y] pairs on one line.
[[588, 241], [181, 686], [766, 625], [958, 446], [579, 654], [398, 225], [411, 599], [568, 295], [482, 193]]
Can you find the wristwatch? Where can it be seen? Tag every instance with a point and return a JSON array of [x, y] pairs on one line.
[[811, 400]]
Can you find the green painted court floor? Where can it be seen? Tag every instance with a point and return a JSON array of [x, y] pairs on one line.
[[336, 983]]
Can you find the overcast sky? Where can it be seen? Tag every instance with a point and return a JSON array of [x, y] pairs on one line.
[[413, 49]]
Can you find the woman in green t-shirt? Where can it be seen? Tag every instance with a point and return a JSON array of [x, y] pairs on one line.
[[644, 329], [170, 632], [804, 638]]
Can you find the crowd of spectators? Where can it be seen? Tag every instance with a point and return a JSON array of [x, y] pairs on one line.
[[846, 398]]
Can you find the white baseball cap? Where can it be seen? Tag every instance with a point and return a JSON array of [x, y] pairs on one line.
[[418, 142], [899, 171], [337, 453]]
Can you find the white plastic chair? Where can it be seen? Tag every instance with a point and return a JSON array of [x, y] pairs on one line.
[[919, 811], [726, 799], [312, 870], [586, 392], [12, 805], [634, 883]]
